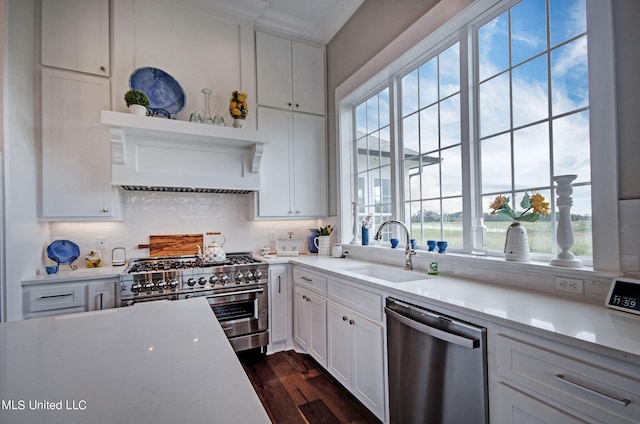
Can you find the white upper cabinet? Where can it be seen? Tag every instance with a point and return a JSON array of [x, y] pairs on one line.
[[75, 35], [291, 75], [76, 151]]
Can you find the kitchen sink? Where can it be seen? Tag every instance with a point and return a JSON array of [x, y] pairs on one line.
[[387, 273]]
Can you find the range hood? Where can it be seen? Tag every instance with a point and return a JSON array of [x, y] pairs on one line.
[[159, 154]]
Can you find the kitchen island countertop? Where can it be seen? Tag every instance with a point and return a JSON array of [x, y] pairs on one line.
[[155, 362]]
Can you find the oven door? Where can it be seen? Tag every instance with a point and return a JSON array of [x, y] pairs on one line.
[[241, 311]]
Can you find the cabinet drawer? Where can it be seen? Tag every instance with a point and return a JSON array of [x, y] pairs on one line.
[[364, 302], [314, 282], [600, 391], [50, 298]]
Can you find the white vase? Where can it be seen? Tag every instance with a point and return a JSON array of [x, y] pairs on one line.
[[323, 243], [138, 110], [516, 246], [238, 123]]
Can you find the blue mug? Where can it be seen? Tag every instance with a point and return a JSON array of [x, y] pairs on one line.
[[442, 246], [51, 269], [394, 243], [432, 245]]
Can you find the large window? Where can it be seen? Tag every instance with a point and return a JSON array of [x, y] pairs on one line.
[[501, 114]]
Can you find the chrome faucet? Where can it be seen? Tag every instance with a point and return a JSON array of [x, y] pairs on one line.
[[408, 251]]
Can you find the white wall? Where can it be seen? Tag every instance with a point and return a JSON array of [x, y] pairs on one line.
[[24, 236]]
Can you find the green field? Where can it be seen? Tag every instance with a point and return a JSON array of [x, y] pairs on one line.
[[540, 236]]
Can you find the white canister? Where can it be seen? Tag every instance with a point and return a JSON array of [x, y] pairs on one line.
[[337, 250]]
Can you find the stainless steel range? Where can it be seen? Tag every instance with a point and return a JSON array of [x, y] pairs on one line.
[[236, 289]]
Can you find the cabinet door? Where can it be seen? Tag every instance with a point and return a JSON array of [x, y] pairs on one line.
[[273, 62], [339, 344], [75, 35], [278, 309], [368, 363], [309, 165], [301, 318], [516, 407], [308, 78], [275, 196], [101, 295], [318, 328], [76, 149]]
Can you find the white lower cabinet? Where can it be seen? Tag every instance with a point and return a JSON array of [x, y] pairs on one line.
[[355, 355], [309, 323], [279, 310], [547, 382], [49, 299]]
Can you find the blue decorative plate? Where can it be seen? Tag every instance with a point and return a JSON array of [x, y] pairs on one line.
[[63, 251], [164, 92]]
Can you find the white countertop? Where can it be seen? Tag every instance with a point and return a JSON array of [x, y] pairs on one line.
[[584, 325], [156, 362], [65, 274]]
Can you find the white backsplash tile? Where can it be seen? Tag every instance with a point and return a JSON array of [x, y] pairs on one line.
[[150, 213]]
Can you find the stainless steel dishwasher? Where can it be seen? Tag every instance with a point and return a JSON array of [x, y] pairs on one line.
[[437, 367]]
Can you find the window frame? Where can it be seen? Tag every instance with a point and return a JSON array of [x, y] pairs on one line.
[[390, 63]]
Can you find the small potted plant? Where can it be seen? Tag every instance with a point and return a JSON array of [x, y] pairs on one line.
[[137, 102], [238, 108]]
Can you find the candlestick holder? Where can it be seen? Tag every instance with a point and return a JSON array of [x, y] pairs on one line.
[[564, 233], [355, 240]]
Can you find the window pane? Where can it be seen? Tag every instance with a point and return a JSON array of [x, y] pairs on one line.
[[383, 103], [374, 150], [431, 218], [372, 114], [568, 18], [449, 71], [496, 164], [531, 157], [581, 221], [429, 83], [493, 46], [528, 30], [430, 177], [363, 150], [361, 120], [451, 167], [530, 92], [414, 211], [409, 86], [429, 132], [540, 233], [571, 150], [452, 222], [450, 121], [495, 115], [569, 77], [385, 146], [412, 182], [410, 138]]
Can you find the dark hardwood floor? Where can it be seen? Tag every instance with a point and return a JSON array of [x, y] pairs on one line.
[[294, 389]]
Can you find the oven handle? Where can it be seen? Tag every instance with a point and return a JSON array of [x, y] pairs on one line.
[[235, 293]]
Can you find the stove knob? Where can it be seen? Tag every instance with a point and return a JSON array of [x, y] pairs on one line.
[[258, 275], [239, 277], [135, 288], [202, 281], [213, 279], [249, 276], [173, 284], [224, 278], [191, 282], [149, 286], [162, 284]]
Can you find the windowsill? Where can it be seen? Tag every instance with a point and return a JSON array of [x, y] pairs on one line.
[[534, 275]]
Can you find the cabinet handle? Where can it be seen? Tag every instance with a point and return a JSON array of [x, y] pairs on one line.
[[569, 381], [53, 296], [344, 318], [306, 279], [304, 297], [351, 322], [279, 284], [100, 306]]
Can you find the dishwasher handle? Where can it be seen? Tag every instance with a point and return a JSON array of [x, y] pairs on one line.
[[466, 342]]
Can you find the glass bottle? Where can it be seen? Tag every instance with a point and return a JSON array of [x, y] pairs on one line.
[[479, 238], [206, 116]]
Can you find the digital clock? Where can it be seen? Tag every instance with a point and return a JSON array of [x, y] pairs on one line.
[[624, 295]]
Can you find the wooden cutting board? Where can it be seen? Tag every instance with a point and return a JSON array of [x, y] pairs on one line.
[[173, 244]]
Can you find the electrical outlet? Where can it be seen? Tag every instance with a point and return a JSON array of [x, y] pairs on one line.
[[571, 285], [101, 243]]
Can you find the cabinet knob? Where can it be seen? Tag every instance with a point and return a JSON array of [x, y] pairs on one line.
[[297, 105], [105, 210], [102, 68], [351, 322], [344, 318], [289, 103], [298, 211]]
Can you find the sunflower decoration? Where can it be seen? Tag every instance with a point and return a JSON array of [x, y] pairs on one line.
[[533, 206], [238, 105]]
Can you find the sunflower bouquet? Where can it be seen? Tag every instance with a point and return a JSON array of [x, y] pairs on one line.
[[325, 231], [238, 105], [533, 206]]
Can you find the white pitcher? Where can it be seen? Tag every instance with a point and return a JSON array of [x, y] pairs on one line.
[[323, 244]]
